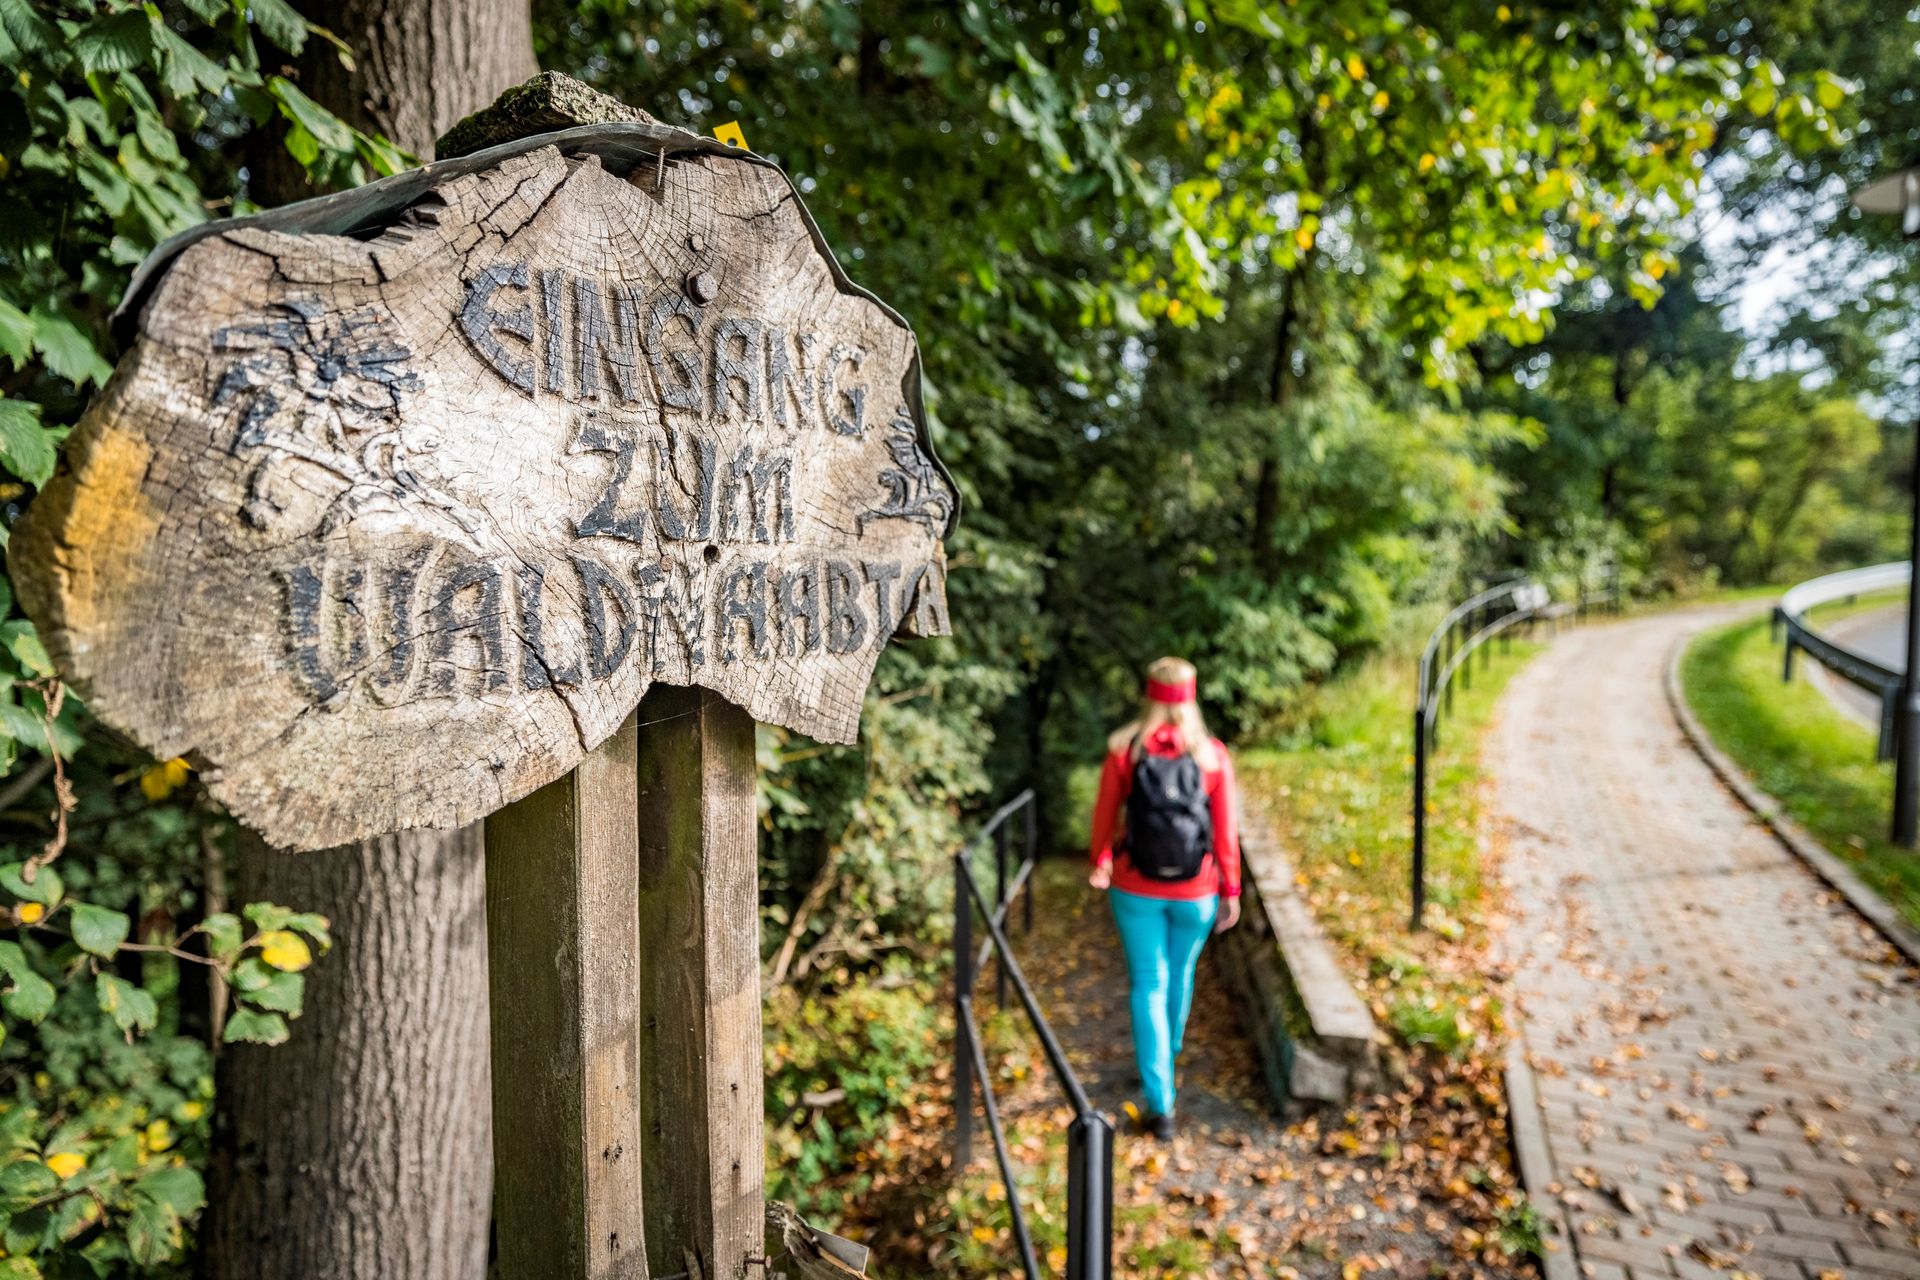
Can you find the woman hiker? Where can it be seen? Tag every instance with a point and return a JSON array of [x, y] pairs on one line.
[[1166, 847]]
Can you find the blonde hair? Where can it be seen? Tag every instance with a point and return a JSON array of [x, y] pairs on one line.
[[1185, 717]]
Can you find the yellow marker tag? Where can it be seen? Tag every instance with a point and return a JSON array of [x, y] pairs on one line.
[[730, 134]]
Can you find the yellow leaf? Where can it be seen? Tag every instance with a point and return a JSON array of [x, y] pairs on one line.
[[1356, 68], [164, 779], [983, 1235], [29, 912], [1380, 100], [1427, 162], [1303, 238], [285, 951], [159, 1135], [67, 1163]]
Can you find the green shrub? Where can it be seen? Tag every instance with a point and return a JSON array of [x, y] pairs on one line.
[[843, 1073]]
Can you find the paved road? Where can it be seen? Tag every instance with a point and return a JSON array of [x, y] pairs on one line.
[[1728, 1059], [1880, 635]]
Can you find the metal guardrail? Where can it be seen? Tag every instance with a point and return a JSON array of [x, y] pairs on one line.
[[1449, 652], [1089, 1136], [1790, 616]]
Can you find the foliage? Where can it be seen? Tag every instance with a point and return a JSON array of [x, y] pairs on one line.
[[1801, 751], [1659, 446], [843, 1074], [120, 124], [1186, 277]]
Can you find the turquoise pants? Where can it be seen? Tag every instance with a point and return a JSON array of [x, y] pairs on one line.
[[1162, 938]]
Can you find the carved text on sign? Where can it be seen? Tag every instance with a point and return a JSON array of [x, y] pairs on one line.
[[387, 531]]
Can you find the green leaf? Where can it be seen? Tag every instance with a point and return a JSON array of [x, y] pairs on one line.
[[45, 889], [31, 996], [185, 68], [16, 334], [255, 1027], [314, 925], [133, 1009], [279, 23], [23, 642], [224, 935], [69, 353], [267, 915], [28, 29], [19, 1269], [153, 1233], [26, 448], [327, 129], [179, 1189], [25, 1180], [99, 930], [117, 42], [283, 993]]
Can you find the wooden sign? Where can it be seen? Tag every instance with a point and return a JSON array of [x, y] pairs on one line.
[[388, 528]]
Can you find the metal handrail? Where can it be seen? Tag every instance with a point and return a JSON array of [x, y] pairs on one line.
[[1867, 673], [1464, 631], [1089, 1136]]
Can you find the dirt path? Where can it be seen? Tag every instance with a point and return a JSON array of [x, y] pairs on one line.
[[1728, 1058], [1387, 1188]]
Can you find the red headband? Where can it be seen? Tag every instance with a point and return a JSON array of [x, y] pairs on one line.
[[1164, 691]]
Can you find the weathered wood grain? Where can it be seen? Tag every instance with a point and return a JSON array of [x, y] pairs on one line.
[[702, 1078], [386, 530], [564, 986]]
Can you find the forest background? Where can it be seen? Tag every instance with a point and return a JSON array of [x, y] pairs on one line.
[[1248, 328]]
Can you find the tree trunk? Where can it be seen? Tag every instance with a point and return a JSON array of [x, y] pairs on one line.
[[363, 1147], [1281, 385], [418, 67]]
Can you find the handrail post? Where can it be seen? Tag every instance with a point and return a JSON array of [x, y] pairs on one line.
[[1000, 909], [962, 992], [1033, 853], [1419, 815], [1090, 1198]]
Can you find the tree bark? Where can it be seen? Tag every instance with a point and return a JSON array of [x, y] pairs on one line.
[[363, 1147], [1281, 385], [419, 66]]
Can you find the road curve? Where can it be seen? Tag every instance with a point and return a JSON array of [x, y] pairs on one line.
[[1727, 1057]]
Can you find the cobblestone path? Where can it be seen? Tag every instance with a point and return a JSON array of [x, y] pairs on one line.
[[1727, 1058]]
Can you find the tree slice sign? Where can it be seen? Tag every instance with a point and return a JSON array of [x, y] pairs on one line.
[[388, 528]]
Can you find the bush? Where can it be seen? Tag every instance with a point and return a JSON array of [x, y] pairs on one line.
[[846, 1074]]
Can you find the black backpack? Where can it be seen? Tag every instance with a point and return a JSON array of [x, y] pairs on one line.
[[1169, 823]]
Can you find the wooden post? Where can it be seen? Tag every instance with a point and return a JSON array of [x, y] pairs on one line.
[[564, 950], [701, 1068]]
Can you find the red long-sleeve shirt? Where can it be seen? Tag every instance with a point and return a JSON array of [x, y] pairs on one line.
[[1220, 873]]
